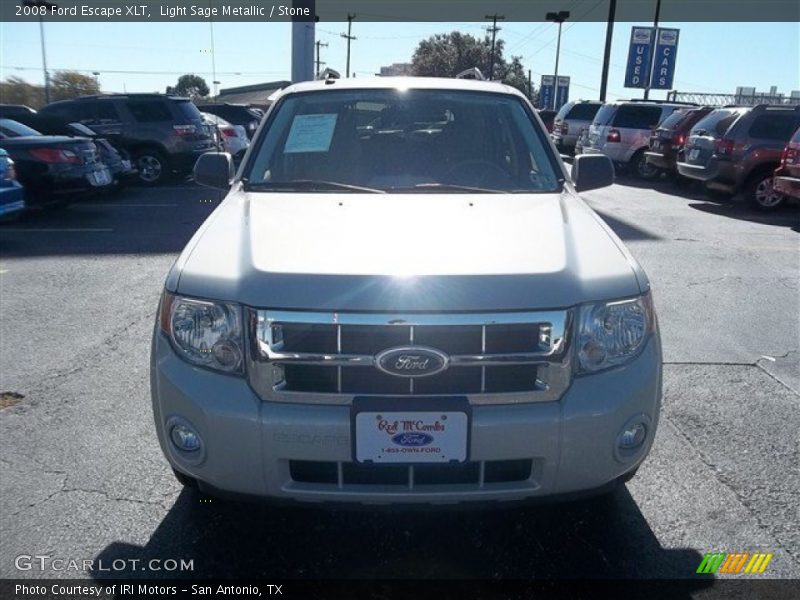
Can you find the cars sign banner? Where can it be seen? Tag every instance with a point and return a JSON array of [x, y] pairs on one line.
[[562, 92], [664, 63], [637, 72]]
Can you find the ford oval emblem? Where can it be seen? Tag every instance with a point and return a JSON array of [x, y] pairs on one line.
[[413, 439], [412, 361]]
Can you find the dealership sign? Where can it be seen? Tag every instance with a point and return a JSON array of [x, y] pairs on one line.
[[651, 58], [546, 92], [664, 61], [637, 72], [548, 89], [562, 92]]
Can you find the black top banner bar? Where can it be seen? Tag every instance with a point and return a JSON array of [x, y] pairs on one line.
[[393, 10]]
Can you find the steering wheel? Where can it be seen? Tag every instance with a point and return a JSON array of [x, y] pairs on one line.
[[476, 172]]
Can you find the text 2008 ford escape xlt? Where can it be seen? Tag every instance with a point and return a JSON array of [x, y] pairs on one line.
[[402, 299]]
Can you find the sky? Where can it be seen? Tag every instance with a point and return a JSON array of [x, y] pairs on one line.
[[147, 57]]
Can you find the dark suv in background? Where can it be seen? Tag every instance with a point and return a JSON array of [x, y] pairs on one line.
[[163, 134], [737, 150], [237, 114], [670, 136]]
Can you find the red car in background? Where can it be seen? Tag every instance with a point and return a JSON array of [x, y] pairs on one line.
[[787, 175]]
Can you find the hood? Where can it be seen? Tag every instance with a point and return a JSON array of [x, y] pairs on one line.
[[401, 252]]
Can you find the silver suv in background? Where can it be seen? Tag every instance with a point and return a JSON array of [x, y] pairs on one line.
[[571, 120], [622, 130], [403, 299]]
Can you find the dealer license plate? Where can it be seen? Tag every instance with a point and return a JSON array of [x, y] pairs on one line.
[[411, 436], [694, 153]]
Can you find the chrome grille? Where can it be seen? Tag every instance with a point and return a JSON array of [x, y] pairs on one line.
[[330, 357]]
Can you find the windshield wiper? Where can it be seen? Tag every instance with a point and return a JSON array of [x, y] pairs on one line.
[[449, 186], [309, 184]]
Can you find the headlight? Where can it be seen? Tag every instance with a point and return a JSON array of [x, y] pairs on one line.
[[612, 333], [203, 332]]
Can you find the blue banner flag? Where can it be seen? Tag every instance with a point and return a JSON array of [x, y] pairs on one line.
[[546, 91], [664, 62], [637, 72]]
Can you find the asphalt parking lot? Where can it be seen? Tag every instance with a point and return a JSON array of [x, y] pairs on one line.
[[83, 476]]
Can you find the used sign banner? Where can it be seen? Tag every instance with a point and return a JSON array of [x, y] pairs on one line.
[[546, 92], [562, 92], [637, 72]]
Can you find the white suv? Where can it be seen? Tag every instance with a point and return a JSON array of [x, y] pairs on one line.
[[622, 130], [403, 299]]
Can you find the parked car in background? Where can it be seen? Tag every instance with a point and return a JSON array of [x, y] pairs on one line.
[[116, 159], [737, 150], [570, 120], [547, 117], [621, 130], [787, 175], [164, 134], [11, 111], [12, 201], [231, 138], [670, 137], [237, 114], [52, 168]]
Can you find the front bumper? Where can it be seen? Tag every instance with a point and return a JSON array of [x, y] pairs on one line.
[[248, 443]]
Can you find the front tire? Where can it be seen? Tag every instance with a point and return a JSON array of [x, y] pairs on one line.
[[761, 194], [152, 165]]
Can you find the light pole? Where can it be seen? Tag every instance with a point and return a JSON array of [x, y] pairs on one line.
[[653, 58], [50, 6], [557, 17]]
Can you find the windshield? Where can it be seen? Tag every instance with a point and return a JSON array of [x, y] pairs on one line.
[[673, 120], [716, 123], [409, 140], [14, 129], [605, 114]]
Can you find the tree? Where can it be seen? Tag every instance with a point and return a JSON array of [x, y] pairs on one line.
[[447, 54], [16, 90], [65, 85], [190, 85]]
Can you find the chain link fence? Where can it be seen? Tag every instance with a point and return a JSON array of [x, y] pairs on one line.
[[738, 99]]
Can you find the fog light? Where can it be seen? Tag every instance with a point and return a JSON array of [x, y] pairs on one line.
[[632, 436], [185, 438]]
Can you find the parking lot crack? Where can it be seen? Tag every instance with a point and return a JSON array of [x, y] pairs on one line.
[[722, 480]]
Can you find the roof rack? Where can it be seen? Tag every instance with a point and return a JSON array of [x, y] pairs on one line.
[[762, 107], [642, 100], [473, 73]]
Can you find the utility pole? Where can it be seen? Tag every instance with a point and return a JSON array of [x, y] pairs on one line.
[[493, 29], [318, 63], [214, 81], [559, 18], [612, 10], [49, 6], [653, 57], [349, 38], [530, 86]]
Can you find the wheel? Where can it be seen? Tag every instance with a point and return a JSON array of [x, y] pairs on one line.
[[761, 194], [643, 169], [185, 480], [152, 165]]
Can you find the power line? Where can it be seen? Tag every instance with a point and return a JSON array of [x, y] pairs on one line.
[[132, 72]]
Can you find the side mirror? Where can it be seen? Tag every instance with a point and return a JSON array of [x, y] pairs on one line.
[[214, 169], [592, 171]]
